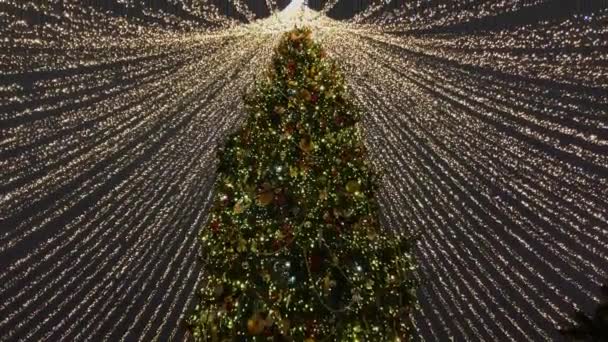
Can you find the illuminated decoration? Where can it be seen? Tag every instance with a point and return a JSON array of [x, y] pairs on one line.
[[293, 248], [488, 119]]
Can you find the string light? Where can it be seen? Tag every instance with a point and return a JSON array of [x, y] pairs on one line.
[[493, 146]]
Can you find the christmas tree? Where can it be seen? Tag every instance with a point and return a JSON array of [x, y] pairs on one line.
[[293, 247]]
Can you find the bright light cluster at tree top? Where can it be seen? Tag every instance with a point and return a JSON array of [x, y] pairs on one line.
[[487, 119]]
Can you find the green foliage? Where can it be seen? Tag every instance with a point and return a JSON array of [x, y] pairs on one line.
[[293, 247]]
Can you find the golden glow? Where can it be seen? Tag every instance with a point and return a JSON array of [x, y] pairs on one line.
[[493, 145]]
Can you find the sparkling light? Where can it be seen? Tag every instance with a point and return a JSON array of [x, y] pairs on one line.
[[494, 146]]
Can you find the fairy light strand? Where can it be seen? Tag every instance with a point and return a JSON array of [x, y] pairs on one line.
[[494, 146]]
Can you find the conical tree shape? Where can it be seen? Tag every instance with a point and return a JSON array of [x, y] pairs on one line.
[[293, 247]]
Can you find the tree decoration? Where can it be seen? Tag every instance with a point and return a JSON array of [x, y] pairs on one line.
[[293, 248]]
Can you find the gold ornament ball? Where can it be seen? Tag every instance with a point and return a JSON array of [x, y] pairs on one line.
[[353, 186], [306, 144], [255, 325], [265, 198]]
